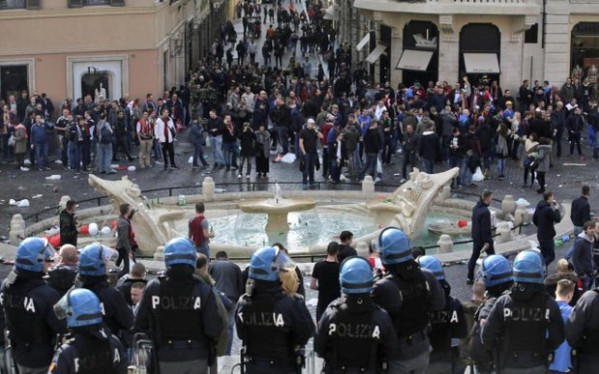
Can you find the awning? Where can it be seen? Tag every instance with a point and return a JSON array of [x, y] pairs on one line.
[[481, 63], [414, 60], [363, 42], [331, 13], [376, 53]]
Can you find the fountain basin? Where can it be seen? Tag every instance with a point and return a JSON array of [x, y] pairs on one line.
[[277, 210]]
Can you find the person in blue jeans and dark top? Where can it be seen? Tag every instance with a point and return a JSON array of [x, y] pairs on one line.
[[547, 213], [308, 138], [199, 231], [39, 140], [372, 147], [562, 361]]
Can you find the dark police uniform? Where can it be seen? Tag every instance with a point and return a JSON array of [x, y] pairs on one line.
[[407, 300], [582, 332], [446, 325], [355, 336], [27, 302], [89, 354], [480, 354], [523, 328], [61, 278], [117, 314], [272, 326], [182, 317]]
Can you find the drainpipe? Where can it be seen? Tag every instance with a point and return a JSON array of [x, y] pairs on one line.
[[543, 24]]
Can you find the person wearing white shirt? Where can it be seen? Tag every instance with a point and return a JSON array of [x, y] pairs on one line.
[[164, 131]]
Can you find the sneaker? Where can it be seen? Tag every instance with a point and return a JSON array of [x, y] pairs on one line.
[[377, 180], [47, 168], [23, 168], [174, 167], [247, 176], [403, 180], [234, 168], [239, 176], [158, 162], [111, 171], [469, 282]]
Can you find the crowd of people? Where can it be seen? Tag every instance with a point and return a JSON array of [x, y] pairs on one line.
[[391, 311]]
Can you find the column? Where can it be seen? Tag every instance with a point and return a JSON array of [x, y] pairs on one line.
[[449, 51], [396, 51], [557, 42]]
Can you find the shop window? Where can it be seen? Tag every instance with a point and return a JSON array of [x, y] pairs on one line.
[[531, 36], [13, 80]]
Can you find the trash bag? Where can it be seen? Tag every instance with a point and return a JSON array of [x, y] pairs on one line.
[[478, 175]]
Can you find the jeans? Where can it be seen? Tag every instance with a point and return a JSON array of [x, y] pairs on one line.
[[336, 169], [325, 162], [168, 150], [104, 157], [124, 258], [596, 147], [156, 151], [216, 143], [283, 136], [575, 139], [370, 165], [429, 165], [500, 166], [74, 156], [198, 154], [408, 158], [547, 251], [476, 248], [465, 174], [456, 162], [85, 153], [308, 173], [228, 152], [205, 250], [41, 154], [245, 160]]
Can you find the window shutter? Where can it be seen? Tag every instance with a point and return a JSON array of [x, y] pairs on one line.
[[75, 3], [117, 2], [33, 4], [3, 4]]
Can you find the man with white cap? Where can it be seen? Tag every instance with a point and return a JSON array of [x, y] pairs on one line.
[[308, 138]]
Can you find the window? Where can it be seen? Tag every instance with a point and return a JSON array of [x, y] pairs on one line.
[[531, 36], [19, 4], [13, 80], [82, 3]]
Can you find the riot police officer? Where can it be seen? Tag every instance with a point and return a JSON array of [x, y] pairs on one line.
[[27, 302], [273, 327], [447, 325], [407, 293], [62, 276], [180, 313], [92, 275], [524, 326], [582, 332], [496, 273], [92, 348], [354, 334]]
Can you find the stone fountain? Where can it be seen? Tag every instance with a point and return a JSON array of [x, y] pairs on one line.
[[277, 209]]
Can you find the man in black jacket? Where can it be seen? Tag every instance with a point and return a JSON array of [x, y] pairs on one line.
[[372, 146], [575, 126], [68, 225], [481, 232], [429, 147], [546, 214], [281, 119], [410, 146]]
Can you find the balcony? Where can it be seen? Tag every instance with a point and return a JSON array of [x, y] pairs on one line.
[[453, 7]]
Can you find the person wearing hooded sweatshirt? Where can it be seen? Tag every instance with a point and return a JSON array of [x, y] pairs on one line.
[[447, 325], [524, 326], [582, 257], [481, 232], [546, 214], [429, 147]]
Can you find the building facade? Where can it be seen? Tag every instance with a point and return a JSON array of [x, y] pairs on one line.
[[110, 48], [445, 40]]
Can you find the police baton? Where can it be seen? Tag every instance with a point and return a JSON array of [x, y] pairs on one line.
[[242, 359], [154, 341], [10, 366]]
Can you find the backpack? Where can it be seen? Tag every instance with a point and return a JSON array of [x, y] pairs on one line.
[[106, 135], [73, 132]]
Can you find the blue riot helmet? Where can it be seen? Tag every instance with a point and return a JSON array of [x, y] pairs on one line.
[[496, 270], [32, 253], [433, 265], [80, 307], [266, 263], [92, 259], [356, 276], [394, 246], [180, 251], [529, 267]]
